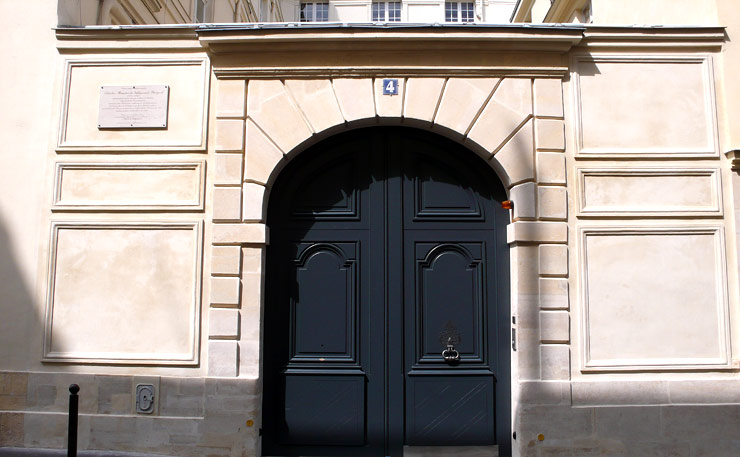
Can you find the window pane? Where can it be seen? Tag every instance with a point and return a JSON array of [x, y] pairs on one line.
[[467, 12], [200, 11], [450, 12], [394, 11], [378, 11], [306, 12], [322, 12]]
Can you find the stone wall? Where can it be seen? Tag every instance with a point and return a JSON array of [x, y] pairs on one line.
[[624, 289]]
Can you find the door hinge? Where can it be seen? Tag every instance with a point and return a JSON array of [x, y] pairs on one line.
[[513, 339]]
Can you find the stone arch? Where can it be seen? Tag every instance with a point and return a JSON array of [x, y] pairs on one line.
[[493, 117]]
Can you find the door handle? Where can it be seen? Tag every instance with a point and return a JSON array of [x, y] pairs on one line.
[[450, 354]]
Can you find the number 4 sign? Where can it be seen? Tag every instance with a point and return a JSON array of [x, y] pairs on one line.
[[390, 87]]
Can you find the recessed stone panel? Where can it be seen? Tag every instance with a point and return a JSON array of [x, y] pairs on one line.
[[142, 186], [124, 292], [187, 80], [649, 192], [654, 297], [645, 106]]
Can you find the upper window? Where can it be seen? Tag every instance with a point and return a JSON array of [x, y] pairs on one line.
[[314, 12], [386, 11], [459, 12]]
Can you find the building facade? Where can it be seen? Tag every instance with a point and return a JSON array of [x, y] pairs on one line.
[[241, 235]]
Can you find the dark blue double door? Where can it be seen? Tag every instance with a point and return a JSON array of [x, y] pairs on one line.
[[388, 248]]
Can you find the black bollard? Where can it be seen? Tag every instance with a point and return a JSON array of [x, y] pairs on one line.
[[72, 432]]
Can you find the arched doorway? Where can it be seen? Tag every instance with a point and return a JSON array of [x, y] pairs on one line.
[[388, 248]]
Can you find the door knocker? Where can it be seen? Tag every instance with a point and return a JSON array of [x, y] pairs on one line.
[[450, 354]]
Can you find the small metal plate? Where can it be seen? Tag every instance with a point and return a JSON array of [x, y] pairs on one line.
[[144, 398], [390, 87], [132, 107]]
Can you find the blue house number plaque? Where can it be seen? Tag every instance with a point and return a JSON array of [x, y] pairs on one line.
[[390, 87]]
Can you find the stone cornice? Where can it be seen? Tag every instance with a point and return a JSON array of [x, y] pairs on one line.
[[226, 39], [629, 37], [136, 38], [353, 50]]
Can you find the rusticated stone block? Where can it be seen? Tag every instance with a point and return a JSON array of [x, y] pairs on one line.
[[223, 358], [388, 105], [315, 98], [355, 98], [252, 260], [225, 291], [261, 157], [228, 168], [548, 97], [555, 362], [509, 107], [461, 102], [422, 98], [554, 293], [270, 107], [551, 168], [550, 134], [542, 232], [515, 160], [223, 324], [254, 195], [553, 260], [229, 135], [524, 197], [554, 327], [239, 233], [226, 260], [227, 203], [231, 98], [553, 203]]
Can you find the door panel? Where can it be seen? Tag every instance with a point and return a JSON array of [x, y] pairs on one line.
[[324, 296], [330, 194], [324, 410], [386, 245], [449, 299], [437, 193], [451, 410]]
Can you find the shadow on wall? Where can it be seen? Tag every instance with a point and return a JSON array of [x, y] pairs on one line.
[[21, 338]]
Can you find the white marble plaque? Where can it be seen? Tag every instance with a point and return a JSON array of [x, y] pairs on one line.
[[129, 107]]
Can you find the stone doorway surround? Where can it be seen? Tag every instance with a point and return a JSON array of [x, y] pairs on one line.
[[511, 115]]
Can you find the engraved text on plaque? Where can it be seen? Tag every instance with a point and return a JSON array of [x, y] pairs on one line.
[[129, 107]]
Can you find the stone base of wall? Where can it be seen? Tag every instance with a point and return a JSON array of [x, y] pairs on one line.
[[29, 452], [221, 417], [638, 418], [192, 416]]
